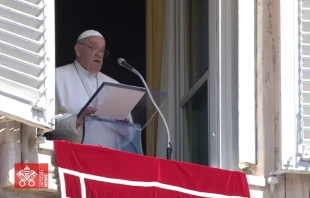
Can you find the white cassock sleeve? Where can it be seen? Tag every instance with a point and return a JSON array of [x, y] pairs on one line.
[[65, 129], [66, 124]]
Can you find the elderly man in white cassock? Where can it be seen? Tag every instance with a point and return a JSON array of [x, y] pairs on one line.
[[75, 84]]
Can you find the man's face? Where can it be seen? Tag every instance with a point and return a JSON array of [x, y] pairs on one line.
[[90, 53]]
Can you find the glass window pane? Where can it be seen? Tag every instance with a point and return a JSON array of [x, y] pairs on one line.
[[197, 120], [198, 39]]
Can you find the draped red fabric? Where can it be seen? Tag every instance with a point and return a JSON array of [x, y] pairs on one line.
[[127, 175]]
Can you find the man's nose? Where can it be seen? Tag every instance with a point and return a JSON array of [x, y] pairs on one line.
[[99, 54]]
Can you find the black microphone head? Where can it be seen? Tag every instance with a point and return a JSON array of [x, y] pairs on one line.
[[123, 63], [120, 61]]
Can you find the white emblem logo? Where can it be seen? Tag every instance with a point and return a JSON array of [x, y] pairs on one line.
[[26, 175]]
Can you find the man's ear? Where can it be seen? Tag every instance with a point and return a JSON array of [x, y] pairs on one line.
[[77, 50]]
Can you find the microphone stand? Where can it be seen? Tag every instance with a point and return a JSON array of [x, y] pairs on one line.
[[129, 67]]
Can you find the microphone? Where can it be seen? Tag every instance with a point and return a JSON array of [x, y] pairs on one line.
[[122, 62]]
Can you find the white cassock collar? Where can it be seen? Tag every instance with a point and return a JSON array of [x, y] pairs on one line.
[[82, 70]]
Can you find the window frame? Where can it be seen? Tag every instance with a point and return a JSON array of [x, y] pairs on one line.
[[190, 92], [247, 83]]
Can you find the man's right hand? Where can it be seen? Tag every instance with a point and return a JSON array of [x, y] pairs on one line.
[[86, 112]]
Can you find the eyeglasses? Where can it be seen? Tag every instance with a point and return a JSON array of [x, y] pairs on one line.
[[95, 50]]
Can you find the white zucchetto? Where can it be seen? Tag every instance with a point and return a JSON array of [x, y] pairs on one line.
[[89, 33]]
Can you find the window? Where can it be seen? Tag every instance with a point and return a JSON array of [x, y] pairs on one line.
[[196, 101], [197, 114], [198, 17]]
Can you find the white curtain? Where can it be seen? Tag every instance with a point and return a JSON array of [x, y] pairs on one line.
[[172, 78]]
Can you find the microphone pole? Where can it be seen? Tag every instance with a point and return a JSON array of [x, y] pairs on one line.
[[122, 62]]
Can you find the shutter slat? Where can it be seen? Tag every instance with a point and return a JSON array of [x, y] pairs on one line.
[[20, 77], [36, 2], [20, 90], [21, 29], [306, 95], [20, 53], [306, 133], [306, 110], [20, 41], [20, 65], [24, 6], [20, 17]]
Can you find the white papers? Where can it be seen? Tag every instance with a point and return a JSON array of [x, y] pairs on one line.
[[118, 101]]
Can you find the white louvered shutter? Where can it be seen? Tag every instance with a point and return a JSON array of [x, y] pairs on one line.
[[27, 61], [304, 63]]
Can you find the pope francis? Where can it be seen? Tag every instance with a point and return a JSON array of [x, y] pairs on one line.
[[75, 84]]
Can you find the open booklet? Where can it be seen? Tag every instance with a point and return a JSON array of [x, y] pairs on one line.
[[118, 101], [115, 101]]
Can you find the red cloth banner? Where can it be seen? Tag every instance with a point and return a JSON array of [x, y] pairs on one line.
[[94, 171]]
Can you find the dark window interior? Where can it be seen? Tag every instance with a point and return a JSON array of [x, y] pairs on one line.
[[122, 22]]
